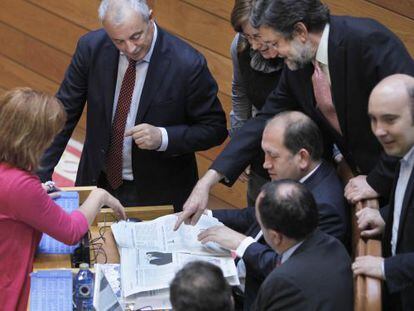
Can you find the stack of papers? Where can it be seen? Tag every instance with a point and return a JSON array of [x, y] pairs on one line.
[[152, 252]]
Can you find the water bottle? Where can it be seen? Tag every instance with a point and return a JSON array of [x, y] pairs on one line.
[[84, 288]]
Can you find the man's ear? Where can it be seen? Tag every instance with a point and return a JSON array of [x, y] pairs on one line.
[[151, 14], [301, 32], [275, 237], [304, 159]]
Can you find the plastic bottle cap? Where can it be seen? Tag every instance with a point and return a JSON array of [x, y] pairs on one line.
[[84, 266]]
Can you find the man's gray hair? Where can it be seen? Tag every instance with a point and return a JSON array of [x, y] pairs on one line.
[[117, 9]]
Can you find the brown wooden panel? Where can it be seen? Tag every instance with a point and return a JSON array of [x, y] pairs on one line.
[[217, 7], [14, 75], [403, 7], [235, 195], [81, 12], [226, 103], [400, 25], [40, 24], [220, 67], [33, 54], [195, 25]]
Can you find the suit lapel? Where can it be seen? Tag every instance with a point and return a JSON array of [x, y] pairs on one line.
[[109, 77], [158, 66], [407, 199], [337, 70]]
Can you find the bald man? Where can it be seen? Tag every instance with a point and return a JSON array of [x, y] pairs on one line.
[[152, 103], [391, 110]]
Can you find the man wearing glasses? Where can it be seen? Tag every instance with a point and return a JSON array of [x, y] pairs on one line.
[[152, 103]]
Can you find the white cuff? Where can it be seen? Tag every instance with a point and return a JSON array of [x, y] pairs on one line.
[[383, 269], [208, 212], [164, 139], [244, 245]]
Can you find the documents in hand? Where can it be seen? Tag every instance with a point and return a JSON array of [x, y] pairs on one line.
[[152, 252]]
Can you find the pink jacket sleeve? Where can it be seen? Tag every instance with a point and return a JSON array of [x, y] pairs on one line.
[[34, 207]]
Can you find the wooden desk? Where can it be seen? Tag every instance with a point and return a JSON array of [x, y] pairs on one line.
[[104, 218]]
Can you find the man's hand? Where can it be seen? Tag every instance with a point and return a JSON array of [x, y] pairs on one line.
[[358, 189], [146, 136], [369, 266], [222, 235], [197, 201], [370, 222]]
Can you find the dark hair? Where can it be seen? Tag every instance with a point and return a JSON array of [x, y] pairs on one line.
[[240, 14], [304, 134], [200, 286], [283, 15], [289, 208], [300, 132]]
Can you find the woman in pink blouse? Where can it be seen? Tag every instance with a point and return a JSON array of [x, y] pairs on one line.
[[28, 122]]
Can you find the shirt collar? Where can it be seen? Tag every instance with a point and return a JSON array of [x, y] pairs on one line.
[[322, 52], [287, 253], [303, 179], [409, 156]]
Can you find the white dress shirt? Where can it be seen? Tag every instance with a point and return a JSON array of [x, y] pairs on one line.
[[141, 74], [406, 167]]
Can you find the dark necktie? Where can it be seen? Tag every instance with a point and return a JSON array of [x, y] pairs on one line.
[[323, 96], [278, 261], [114, 155]]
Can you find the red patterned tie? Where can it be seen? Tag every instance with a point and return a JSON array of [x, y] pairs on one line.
[[323, 96], [114, 156]]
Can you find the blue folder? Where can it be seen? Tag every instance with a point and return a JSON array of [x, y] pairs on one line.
[[51, 290], [69, 201]]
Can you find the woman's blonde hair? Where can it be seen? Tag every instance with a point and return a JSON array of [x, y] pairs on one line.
[[29, 120]]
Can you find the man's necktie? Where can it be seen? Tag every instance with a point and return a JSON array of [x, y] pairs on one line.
[[278, 261], [114, 155], [323, 96]]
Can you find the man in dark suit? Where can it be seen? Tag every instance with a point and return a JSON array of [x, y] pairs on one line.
[[152, 103], [292, 144], [314, 270], [391, 109], [352, 55]]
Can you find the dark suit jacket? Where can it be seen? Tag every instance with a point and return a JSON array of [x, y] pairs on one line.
[[361, 53], [317, 276], [399, 269], [179, 94], [259, 258]]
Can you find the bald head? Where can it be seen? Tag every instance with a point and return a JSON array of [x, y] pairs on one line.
[[391, 110]]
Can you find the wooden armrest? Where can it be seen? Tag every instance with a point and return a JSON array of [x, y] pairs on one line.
[[367, 290], [141, 212]]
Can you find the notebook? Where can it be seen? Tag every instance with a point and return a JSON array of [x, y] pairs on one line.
[[51, 290], [69, 201]]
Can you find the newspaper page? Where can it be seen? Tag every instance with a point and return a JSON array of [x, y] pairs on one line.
[[108, 297], [152, 252]]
